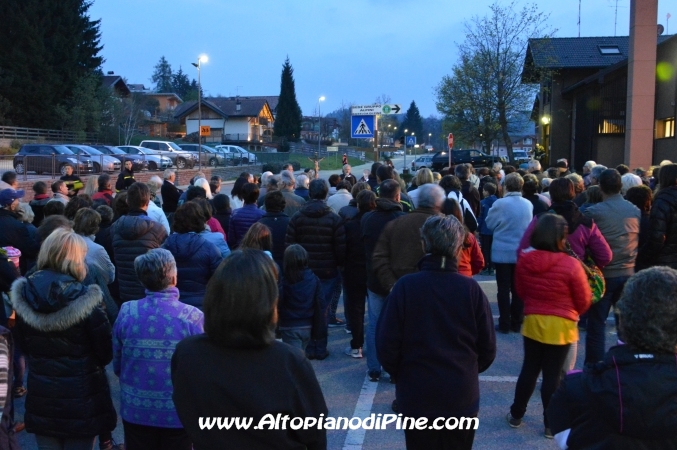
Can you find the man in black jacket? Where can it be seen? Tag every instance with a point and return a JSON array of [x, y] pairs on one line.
[[321, 232], [125, 178], [170, 193], [15, 232], [277, 221], [388, 208], [469, 191], [133, 235]]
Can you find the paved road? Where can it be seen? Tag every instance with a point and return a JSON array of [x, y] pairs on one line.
[[344, 383]]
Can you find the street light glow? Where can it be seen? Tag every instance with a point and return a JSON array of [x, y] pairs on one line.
[[203, 58], [321, 98]]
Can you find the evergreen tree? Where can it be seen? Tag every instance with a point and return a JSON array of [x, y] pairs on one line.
[[288, 119], [47, 48], [180, 83], [162, 76], [413, 122]]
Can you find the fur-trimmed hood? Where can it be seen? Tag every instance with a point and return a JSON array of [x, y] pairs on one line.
[[49, 301]]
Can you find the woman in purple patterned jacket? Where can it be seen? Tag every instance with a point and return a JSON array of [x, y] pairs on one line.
[[144, 338]]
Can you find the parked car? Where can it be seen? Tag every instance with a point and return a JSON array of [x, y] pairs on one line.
[[180, 158], [475, 157], [153, 160], [138, 163], [399, 152], [422, 162], [210, 156], [246, 156], [47, 158], [234, 157], [101, 161], [520, 156]]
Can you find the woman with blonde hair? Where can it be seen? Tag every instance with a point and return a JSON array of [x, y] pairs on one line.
[[91, 187], [66, 337], [204, 184], [423, 176]]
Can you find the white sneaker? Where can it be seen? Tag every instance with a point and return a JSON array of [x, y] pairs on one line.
[[354, 352]]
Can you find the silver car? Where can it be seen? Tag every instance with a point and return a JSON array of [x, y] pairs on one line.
[[101, 161], [155, 160]]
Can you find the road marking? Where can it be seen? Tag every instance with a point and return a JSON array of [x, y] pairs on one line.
[[355, 438]]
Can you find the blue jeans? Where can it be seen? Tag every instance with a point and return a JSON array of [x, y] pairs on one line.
[[375, 305], [318, 347], [296, 337], [597, 316]]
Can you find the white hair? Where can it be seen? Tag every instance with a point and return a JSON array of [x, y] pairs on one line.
[[302, 181], [204, 184], [534, 164], [264, 177], [629, 180], [589, 164]]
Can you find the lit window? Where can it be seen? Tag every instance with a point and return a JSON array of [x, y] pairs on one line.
[[665, 128], [609, 50], [612, 126]]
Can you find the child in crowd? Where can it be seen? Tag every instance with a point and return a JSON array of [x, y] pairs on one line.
[[486, 235], [301, 302]]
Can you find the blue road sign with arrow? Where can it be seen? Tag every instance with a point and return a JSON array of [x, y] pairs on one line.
[[362, 127], [411, 140]]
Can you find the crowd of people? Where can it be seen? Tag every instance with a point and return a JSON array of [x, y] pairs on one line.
[[200, 299]]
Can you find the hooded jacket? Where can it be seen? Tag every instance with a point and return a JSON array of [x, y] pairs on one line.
[[321, 232], [196, 262], [67, 339], [625, 402], [552, 284], [661, 246], [300, 303], [133, 235]]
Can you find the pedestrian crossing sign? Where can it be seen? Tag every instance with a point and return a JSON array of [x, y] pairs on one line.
[[411, 141], [362, 127]]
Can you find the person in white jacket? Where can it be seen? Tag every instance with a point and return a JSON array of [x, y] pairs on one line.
[[508, 218]]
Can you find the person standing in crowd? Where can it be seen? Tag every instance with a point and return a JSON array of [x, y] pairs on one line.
[[661, 246], [423, 176], [354, 277], [508, 218], [342, 197], [321, 232], [235, 357], [534, 168], [294, 203], [60, 192], [86, 224], [562, 167], [627, 400], [385, 173], [299, 308], [486, 235], [551, 311], [73, 182], [39, 201], [263, 183], [133, 235], [301, 190], [595, 173], [125, 178], [196, 258], [470, 259], [530, 192], [15, 233], [222, 210], [105, 192], [155, 212], [170, 193], [435, 345], [350, 210], [154, 323], [258, 237], [642, 198], [155, 186], [618, 220], [244, 217], [215, 237], [66, 337], [277, 221], [388, 208], [587, 170], [468, 190], [346, 175], [398, 249]]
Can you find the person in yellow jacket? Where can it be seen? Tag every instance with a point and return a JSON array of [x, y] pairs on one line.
[[125, 178]]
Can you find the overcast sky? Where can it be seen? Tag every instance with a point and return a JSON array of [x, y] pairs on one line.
[[349, 51]]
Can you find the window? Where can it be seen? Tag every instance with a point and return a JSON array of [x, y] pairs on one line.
[[612, 126], [609, 50], [665, 128], [474, 154]]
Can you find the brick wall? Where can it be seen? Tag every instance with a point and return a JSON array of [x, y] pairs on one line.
[[183, 177]]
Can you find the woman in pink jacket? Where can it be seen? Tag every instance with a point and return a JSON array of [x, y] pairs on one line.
[[555, 291]]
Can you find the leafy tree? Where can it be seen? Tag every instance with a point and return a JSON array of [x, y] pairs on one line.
[[288, 119], [47, 48], [494, 47], [413, 123], [163, 76]]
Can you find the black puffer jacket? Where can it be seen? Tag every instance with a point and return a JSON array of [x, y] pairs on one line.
[[278, 223], [133, 235], [627, 401], [320, 231], [661, 246], [16, 234], [67, 340]]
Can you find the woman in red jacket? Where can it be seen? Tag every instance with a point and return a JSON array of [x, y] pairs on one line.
[[555, 291]]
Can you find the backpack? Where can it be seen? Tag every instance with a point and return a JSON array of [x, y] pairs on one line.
[[469, 218]]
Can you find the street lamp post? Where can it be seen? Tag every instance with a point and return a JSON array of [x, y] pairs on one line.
[[319, 125], [415, 154], [405, 148], [201, 59]]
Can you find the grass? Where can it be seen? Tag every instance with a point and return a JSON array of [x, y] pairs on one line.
[[332, 162]]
